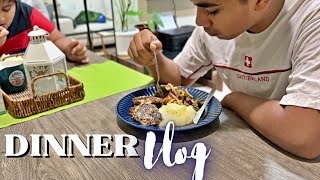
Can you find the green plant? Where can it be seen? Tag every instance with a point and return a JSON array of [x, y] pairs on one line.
[[124, 11], [152, 23], [155, 20]]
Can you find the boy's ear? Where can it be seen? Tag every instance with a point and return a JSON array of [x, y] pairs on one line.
[[261, 5]]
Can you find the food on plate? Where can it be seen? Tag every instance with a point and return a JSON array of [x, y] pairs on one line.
[[175, 104], [146, 99], [181, 115], [178, 95], [146, 114]]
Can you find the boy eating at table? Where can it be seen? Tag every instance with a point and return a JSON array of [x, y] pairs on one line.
[[17, 20], [267, 52]]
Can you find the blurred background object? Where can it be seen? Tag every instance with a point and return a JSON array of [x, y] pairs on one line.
[[40, 5]]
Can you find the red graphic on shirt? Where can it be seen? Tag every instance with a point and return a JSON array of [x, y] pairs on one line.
[[248, 61]]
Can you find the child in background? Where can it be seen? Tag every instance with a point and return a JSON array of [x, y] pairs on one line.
[[17, 20]]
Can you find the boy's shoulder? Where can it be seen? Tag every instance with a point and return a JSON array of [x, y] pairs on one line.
[[309, 8]]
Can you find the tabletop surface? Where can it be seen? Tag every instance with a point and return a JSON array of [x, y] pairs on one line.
[[237, 151]]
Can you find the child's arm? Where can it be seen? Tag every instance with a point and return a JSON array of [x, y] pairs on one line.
[[74, 50], [3, 35]]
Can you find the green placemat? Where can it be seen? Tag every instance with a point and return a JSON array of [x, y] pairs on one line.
[[100, 80]]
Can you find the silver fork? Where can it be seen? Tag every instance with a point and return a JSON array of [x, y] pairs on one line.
[[158, 74], [157, 69]]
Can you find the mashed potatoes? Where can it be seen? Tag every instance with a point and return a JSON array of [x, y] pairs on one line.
[[181, 115]]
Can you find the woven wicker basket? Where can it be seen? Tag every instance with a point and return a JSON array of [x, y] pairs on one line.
[[24, 104]]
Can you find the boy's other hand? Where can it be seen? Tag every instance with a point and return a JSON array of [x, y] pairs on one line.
[[142, 46], [3, 35], [77, 52]]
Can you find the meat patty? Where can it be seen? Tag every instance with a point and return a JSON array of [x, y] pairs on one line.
[[146, 100], [146, 114]]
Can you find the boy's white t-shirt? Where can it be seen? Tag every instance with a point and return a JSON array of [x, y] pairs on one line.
[[282, 62]]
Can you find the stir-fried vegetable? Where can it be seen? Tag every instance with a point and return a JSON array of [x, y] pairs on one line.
[[179, 96]]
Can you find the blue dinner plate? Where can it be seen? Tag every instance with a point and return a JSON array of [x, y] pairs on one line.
[[211, 113]]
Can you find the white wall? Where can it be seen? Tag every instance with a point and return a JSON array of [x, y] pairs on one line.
[[167, 5]]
